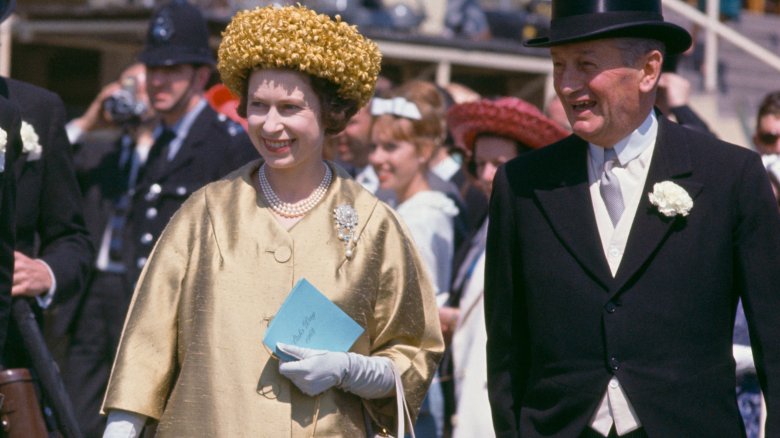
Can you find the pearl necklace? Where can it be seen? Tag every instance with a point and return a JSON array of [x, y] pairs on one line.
[[297, 209]]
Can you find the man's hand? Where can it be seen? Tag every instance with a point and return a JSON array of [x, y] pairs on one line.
[[31, 276], [674, 89], [448, 319], [95, 117]]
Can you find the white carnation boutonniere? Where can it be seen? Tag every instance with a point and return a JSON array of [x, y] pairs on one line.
[[671, 199], [3, 142], [30, 142]]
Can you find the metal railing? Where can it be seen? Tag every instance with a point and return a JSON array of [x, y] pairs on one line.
[[713, 29]]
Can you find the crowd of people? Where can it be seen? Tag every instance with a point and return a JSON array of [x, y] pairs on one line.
[[510, 272]]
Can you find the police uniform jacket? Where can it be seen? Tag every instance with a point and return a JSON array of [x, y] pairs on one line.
[[214, 146]]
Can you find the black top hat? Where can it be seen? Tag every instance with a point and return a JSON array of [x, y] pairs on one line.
[[6, 8], [582, 20], [178, 34]]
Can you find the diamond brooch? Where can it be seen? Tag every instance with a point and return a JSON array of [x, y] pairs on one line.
[[346, 223]]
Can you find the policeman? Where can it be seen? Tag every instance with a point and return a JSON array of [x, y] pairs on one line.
[[194, 145]]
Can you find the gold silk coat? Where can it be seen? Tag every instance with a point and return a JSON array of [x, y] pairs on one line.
[[191, 353]]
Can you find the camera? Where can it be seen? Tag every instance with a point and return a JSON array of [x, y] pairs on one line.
[[123, 107]]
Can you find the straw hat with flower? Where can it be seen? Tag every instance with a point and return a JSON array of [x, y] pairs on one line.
[[508, 117]]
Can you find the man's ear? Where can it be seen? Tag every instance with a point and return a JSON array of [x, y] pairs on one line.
[[425, 150], [651, 70], [202, 76]]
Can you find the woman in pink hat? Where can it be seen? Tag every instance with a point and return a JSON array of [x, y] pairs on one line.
[[494, 131]]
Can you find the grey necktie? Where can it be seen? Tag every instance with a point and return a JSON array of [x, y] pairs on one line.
[[610, 187]]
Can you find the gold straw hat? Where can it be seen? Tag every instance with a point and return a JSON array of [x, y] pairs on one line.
[[297, 38]]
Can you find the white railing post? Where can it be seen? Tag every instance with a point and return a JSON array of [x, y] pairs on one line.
[[711, 46], [443, 73]]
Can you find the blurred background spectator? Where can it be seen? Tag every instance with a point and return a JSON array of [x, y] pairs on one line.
[[407, 130], [494, 131], [766, 137]]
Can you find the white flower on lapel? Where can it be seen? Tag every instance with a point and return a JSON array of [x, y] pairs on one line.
[[3, 141], [671, 199], [30, 142]]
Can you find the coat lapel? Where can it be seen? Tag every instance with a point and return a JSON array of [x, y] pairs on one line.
[[671, 162], [569, 210], [159, 166], [19, 166], [189, 148]]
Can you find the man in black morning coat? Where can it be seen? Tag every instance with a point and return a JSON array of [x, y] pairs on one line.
[[11, 146], [207, 145], [609, 314], [53, 252]]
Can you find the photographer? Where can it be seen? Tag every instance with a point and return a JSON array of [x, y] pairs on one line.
[[107, 171], [121, 104]]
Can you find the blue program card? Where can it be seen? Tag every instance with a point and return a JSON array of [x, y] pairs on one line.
[[307, 318]]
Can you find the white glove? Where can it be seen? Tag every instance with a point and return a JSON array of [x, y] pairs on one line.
[[743, 356], [319, 370], [123, 424]]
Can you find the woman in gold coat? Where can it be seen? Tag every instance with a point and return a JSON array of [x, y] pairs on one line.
[[191, 356]]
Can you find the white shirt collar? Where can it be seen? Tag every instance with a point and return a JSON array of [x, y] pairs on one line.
[[632, 145], [181, 128], [446, 168]]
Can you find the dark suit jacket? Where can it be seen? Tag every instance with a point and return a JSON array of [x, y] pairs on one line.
[[102, 182], [49, 220], [560, 326], [214, 147], [10, 122]]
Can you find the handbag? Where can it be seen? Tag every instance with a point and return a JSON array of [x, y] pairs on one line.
[[20, 410], [402, 413]]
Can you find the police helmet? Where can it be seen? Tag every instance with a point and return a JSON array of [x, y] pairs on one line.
[[178, 34]]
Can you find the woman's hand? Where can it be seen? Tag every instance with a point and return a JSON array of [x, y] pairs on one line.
[[316, 371]]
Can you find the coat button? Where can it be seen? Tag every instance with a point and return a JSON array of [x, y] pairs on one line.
[[151, 213], [614, 364], [153, 193], [140, 262], [282, 254], [181, 190], [147, 238], [610, 307]]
